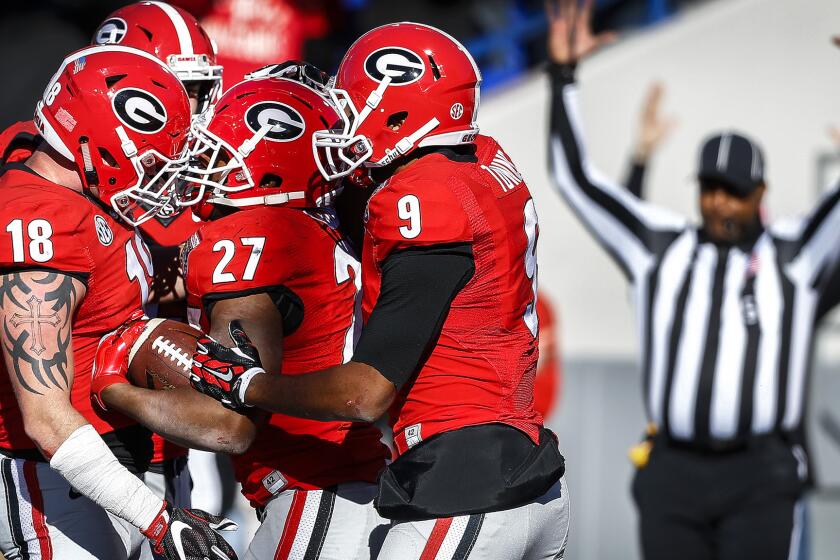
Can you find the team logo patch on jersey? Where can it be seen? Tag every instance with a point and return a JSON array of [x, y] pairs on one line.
[[111, 32], [287, 123], [103, 230], [139, 110], [401, 65]]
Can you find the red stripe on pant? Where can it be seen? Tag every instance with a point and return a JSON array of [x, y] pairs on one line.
[[436, 538], [291, 528], [39, 523]]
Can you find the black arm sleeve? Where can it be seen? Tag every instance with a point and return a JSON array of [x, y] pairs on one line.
[[418, 286], [636, 179], [287, 302]]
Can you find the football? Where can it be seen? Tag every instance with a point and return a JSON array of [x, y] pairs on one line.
[[162, 355]]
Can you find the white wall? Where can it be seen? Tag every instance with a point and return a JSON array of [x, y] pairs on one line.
[[766, 67]]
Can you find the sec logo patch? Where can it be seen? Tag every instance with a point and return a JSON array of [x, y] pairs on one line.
[[103, 230]]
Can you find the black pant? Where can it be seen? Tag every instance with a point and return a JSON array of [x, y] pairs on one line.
[[737, 505]]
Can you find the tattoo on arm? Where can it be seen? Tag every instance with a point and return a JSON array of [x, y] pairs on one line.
[[38, 310]]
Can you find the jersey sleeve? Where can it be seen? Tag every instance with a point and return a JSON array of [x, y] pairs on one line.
[[411, 214], [49, 235]]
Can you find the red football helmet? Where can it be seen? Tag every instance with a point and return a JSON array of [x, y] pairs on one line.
[[402, 86], [172, 35], [254, 147], [123, 118]]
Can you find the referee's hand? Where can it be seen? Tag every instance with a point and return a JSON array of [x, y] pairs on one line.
[[570, 36]]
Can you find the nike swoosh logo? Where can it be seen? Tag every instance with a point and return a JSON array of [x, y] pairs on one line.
[[223, 376], [177, 527]]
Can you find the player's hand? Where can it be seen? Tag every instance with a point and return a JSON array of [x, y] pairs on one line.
[[110, 365], [653, 127], [570, 36], [297, 70], [224, 373], [190, 534]]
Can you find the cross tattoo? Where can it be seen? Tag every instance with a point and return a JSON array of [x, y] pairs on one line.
[[35, 319]]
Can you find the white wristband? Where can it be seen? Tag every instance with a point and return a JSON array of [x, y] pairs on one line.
[[245, 380], [85, 461]]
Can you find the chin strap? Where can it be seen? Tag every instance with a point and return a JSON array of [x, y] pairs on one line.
[[91, 176], [248, 145], [267, 200], [407, 143]]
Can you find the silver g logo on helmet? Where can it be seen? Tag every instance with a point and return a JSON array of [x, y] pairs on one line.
[[287, 124], [401, 65], [139, 110], [111, 32]]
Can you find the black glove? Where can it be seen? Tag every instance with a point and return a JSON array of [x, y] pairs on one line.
[[223, 373], [297, 70], [190, 534]]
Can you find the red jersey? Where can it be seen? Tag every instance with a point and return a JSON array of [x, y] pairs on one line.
[[271, 248], [482, 368], [18, 142], [47, 226]]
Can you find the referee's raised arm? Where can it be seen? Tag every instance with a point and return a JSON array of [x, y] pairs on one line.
[[817, 237], [631, 230]]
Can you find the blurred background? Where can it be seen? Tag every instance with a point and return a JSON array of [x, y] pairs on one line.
[[766, 67]]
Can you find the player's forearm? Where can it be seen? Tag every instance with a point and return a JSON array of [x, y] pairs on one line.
[[89, 466], [49, 426], [350, 392], [185, 417]]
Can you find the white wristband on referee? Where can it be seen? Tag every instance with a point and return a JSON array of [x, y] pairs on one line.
[[86, 462], [245, 380]]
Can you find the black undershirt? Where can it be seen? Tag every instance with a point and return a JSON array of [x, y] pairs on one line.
[[416, 291]]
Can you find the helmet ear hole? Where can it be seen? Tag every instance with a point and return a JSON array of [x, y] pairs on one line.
[[396, 120], [271, 181]]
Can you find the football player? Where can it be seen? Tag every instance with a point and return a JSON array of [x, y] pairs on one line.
[[175, 37], [114, 123], [271, 257], [449, 346]]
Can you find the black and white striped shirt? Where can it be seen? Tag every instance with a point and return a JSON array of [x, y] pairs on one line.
[[726, 331]]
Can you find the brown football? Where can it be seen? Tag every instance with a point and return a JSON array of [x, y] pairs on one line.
[[161, 357]]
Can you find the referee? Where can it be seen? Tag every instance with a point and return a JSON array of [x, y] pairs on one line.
[[726, 311]]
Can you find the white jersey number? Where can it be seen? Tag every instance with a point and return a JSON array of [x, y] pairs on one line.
[[408, 208], [138, 264], [347, 268], [40, 245], [220, 276], [531, 319]]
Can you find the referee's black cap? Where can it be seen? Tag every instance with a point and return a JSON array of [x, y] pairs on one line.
[[734, 160]]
